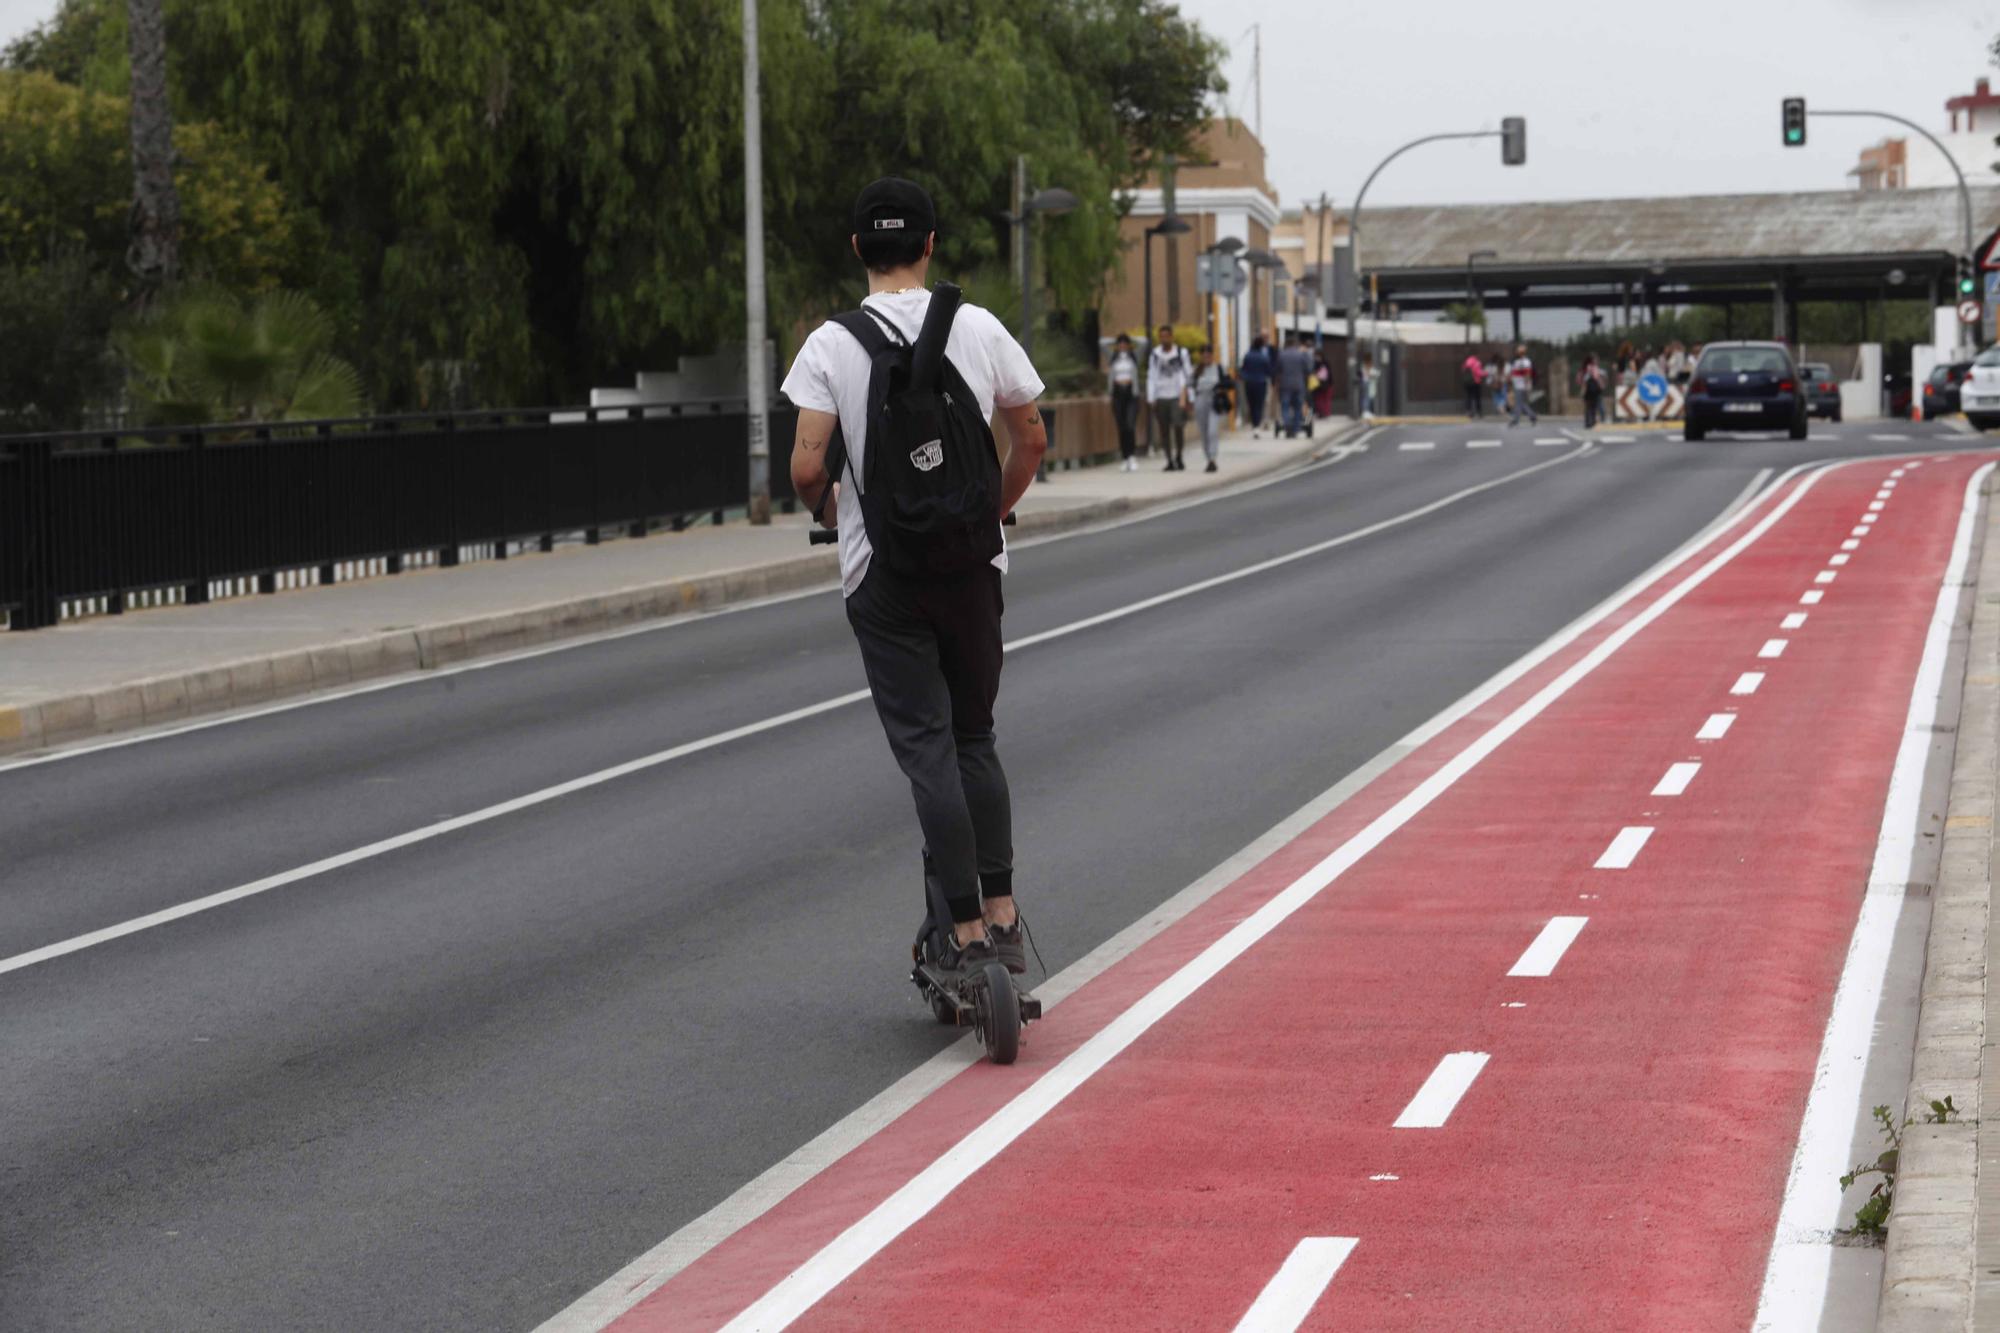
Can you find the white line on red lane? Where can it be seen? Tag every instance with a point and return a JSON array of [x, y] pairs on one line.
[[1851, 544], [1716, 727], [1772, 648], [1290, 1296], [1624, 848], [1874, 507], [1675, 783], [1440, 1095], [1811, 598], [1801, 1262], [1542, 956], [1826, 576], [1747, 683], [1867, 519], [1840, 558], [1858, 532], [862, 1240], [1796, 620]]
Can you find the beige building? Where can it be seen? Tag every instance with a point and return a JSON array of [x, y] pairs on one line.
[[1912, 163], [1312, 242], [1221, 192]]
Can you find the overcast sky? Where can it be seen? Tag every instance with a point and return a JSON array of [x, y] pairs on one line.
[[1622, 99]]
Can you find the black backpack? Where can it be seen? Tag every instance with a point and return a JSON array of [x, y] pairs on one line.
[[930, 480]]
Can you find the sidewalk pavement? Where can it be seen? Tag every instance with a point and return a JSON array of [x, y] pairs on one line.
[[1941, 1268], [145, 668]]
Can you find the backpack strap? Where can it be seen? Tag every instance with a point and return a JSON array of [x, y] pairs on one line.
[[869, 329]]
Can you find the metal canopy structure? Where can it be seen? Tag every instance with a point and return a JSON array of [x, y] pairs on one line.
[[1697, 250]]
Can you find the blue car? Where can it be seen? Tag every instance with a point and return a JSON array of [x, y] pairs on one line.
[[1746, 386]]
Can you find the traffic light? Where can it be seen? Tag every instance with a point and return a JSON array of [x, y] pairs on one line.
[[1795, 122], [1513, 141], [1968, 282]]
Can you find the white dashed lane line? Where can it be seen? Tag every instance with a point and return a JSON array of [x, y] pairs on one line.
[[1440, 1095], [1624, 848], [1747, 683], [1811, 598], [1867, 519], [1716, 727], [1858, 532], [1676, 780], [1796, 620], [1542, 956], [1483, 444], [1874, 507], [1418, 444], [1840, 559], [1772, 648], [1826, 576], [1547, 440], [1290, 1295], [1851, 544]]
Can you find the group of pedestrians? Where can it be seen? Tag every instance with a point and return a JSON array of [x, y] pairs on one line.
[[1176, 387], [1674, 363], [1511, 386], [1303, 379]]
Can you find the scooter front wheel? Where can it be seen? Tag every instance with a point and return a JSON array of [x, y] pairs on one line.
[[999, 1014]]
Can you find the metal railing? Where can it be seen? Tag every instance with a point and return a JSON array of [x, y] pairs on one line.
[[184, 514]]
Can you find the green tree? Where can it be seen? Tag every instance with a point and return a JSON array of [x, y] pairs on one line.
[[54, 364], [205, 355]]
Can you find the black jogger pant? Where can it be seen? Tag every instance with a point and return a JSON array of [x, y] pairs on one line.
[[1125, 411], [931, 649]]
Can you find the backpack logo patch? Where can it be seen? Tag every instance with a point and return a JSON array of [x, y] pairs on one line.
[[928, 456]]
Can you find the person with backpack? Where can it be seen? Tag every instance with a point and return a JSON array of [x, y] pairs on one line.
[[1212, 386], [1472, 375], [1170, 389], [894, 452]]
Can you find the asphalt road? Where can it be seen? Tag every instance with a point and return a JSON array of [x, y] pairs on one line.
[[457, 1083]]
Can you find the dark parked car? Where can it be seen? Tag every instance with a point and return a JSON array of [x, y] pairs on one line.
[[1942, 388], [1745, 386], [1822, 390]]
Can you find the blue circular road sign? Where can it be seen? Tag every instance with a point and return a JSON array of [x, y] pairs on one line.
[[1652, 389]]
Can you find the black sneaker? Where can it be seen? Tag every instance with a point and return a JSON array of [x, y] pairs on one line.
[[1210, 467], [962, 961], [1008, 944]]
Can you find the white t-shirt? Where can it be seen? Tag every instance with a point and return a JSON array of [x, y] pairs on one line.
[[831, 375], [1522, 373]]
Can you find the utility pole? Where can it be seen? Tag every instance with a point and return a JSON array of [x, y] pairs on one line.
[[1168, 170], [757, 370], [1325, 280]]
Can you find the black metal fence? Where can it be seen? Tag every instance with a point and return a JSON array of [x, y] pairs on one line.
[[176, 514]]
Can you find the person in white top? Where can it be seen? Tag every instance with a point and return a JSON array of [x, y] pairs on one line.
[[1169, 386], [931, 646], [1521, 388], [1124, 375]]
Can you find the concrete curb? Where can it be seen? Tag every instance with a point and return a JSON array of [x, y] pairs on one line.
[[184, 696], [1933, 1250]]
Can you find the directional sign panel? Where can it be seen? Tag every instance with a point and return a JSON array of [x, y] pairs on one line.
[[1652, 389]]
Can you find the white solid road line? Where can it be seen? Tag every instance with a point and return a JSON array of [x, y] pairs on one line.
[[1290, 1296], [1772, 648], [1542, 956], [1716, 727], [647, 1272], [1795, 620], [1801, 1262], [1440, 1095], [1747, 683], [561, 789], [1624, 848], [1418, 444], [1811, 597], [1676, 780], [805, 1285]]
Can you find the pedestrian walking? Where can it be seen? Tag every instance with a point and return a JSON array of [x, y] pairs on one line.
[[1322, 394], [1591, 381], [1521, 387], [1169, 376], [1496, 380], [1294, 369], [1124, 374], [1627, 367], [1259, 365], [1473, 376], [1212, 386], [925, 607]]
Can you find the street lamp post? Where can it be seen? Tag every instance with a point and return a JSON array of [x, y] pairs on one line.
[[1354, 244], [756, 369], [1170, 225], [1472, 300], [1052, 201]]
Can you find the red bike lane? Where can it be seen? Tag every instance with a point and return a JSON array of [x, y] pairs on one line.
[[1603, 1145]]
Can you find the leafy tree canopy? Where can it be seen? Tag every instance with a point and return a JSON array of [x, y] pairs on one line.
[[547, 194]]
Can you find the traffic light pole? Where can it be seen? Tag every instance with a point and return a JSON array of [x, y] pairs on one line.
[[1354, 258], [1964, 194]]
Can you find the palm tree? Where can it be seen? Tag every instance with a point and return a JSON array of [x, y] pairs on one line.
[[154, 253], [205, 356]]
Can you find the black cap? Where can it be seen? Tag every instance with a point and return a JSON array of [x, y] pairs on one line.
[[894, 205]]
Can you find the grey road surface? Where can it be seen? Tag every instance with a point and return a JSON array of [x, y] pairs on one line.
[[456, 1084]]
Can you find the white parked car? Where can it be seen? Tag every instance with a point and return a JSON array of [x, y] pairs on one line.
[[1979, 397]]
